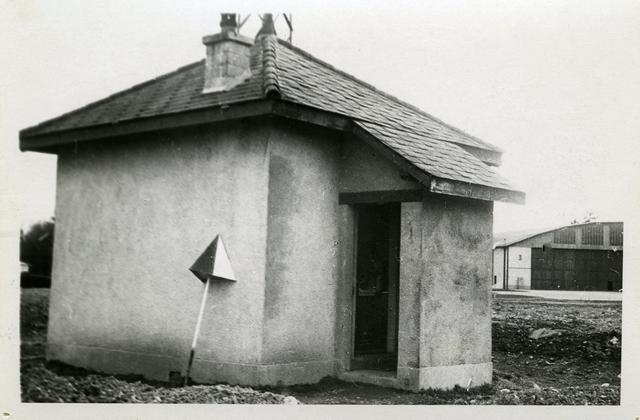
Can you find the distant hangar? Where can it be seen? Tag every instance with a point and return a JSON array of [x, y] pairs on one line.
[[577, 257]]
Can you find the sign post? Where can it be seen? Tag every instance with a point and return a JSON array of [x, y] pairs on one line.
[[213, 263]]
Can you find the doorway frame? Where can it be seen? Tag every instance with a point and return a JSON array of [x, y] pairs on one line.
[[345, 321], [394, 246]]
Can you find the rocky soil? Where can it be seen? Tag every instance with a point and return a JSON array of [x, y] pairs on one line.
[[42, 382], [544, 352], [47, 385]]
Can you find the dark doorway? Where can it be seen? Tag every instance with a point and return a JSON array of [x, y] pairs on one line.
[[376, 294]]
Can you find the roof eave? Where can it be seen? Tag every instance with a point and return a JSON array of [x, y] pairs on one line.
[[46, 142], [266, 106], [490, 157], [477, 191]]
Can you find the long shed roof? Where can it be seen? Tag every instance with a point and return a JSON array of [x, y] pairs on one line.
[[512, 238]]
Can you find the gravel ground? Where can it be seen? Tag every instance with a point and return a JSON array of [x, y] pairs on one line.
[[575, 361], [578, 364], [44, 385], [42, 382]]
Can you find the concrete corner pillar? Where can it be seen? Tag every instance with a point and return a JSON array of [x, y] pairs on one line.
[[445, 293]]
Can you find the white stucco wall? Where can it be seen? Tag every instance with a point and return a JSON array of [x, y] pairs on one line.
[[308, 283], [364, 169], [445, 292], [131, 217], [302, 241]]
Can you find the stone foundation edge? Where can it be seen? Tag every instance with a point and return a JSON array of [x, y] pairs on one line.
[[157, 367], [445, 377]]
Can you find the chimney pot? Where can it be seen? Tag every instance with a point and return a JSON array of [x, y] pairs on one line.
[[268, 27], [228, 23]]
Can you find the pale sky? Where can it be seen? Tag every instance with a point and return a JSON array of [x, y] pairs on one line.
[[555, 84]]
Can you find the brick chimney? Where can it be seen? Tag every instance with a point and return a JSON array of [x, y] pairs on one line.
[[228, 57]]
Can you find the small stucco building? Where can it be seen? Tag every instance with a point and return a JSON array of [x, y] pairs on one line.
[[584, 256], [358, 227]]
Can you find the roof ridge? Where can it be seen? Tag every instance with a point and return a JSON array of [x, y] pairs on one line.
[[385, 94], [270, 81], [113, 96]]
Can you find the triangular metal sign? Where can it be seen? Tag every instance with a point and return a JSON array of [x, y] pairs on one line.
[[213, 263]]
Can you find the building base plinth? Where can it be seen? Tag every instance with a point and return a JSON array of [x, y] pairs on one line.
[[159, 367], [418, 379], [446, 377]]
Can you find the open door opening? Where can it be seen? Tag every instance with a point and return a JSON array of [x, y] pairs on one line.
[[375, 344]]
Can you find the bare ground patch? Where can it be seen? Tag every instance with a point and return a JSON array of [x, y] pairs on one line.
[[578, 364]]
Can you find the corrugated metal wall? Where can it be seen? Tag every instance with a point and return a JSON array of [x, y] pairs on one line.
[[576, 269]]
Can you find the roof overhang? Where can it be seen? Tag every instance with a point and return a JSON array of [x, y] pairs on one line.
[[48, 142], [441, 185]]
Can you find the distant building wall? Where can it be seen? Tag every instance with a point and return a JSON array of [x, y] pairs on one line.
[[519, 278], [519, 267], [498, 268], [519, 257], [576, 257], [576, 269]]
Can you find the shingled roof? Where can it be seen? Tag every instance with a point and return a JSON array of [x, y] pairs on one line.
[[447, 160]]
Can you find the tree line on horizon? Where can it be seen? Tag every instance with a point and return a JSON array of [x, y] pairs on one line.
[[36, 247]]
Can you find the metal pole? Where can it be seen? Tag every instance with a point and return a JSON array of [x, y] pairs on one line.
[[197, 331]]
